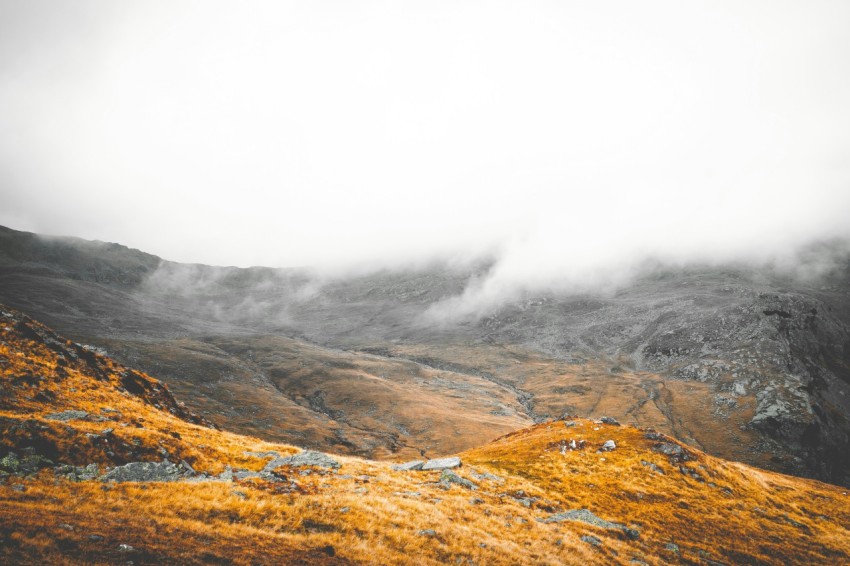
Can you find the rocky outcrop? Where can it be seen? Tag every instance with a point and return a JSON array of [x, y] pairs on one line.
[[441, 463], [449, 477], [409, 466], [587, 516], [163, 471], [305, 458], [66, 416]]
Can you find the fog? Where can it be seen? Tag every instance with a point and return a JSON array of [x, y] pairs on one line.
[[571, 141]]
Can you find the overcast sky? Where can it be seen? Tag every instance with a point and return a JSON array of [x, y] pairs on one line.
[[558, 133]]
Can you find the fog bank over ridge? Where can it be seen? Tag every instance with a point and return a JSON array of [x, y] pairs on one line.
[[571, 140]]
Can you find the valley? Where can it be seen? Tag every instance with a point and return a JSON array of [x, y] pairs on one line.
[[102, 464], [749, 364]]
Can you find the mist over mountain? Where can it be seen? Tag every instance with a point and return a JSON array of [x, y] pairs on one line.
[[252, 253], [748, 361]]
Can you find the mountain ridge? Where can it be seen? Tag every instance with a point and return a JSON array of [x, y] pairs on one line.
[[751, 363]]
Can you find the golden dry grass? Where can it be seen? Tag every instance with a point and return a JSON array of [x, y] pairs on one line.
[[367, 513]]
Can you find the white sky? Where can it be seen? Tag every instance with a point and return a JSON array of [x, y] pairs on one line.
[[327, 132]]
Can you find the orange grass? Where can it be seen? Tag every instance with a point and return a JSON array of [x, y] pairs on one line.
[[366, 513]]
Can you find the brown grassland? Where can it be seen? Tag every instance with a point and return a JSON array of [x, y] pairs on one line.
[[697, 510]]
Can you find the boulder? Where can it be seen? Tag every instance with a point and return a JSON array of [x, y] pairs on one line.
[[305, 458], [442, 463], [409, 466], [144, 472], [652, 467], [28, 463], [449, 477], [66, 416], [668, 449], [608, 446], [609, 420], [487, 476], [76, 473], [587, 516]]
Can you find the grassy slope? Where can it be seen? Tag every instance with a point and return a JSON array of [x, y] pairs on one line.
[[366, 512]]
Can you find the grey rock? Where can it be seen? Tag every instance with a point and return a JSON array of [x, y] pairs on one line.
[[449, 476], [76, 473], [442, 463], [427, 533], [125, 548], [409, 466], [487, 476], [28, 463], [144, 472], [587, 516], [608, 446], [186, 466], [672, 547], [592, 540], [652, 467], [66, 416], [668, 449], [305, 458], [244, 474], [609, 420], [10, 463], [200, 478]]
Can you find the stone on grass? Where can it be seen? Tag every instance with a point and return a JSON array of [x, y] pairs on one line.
[[592, 540], [305, 458], [144, 472], [449, 476], [587, 516], [669, 449], [409, 466], [442, 463], [66, 416]]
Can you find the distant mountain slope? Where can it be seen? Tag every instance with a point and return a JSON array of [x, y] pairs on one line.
[[100, 464], [748, 363]]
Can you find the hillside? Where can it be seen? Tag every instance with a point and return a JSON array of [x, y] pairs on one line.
[[76, 424], [746, 363]]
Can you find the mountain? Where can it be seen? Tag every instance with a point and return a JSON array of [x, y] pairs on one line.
[[99, 463], [748, 363]]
